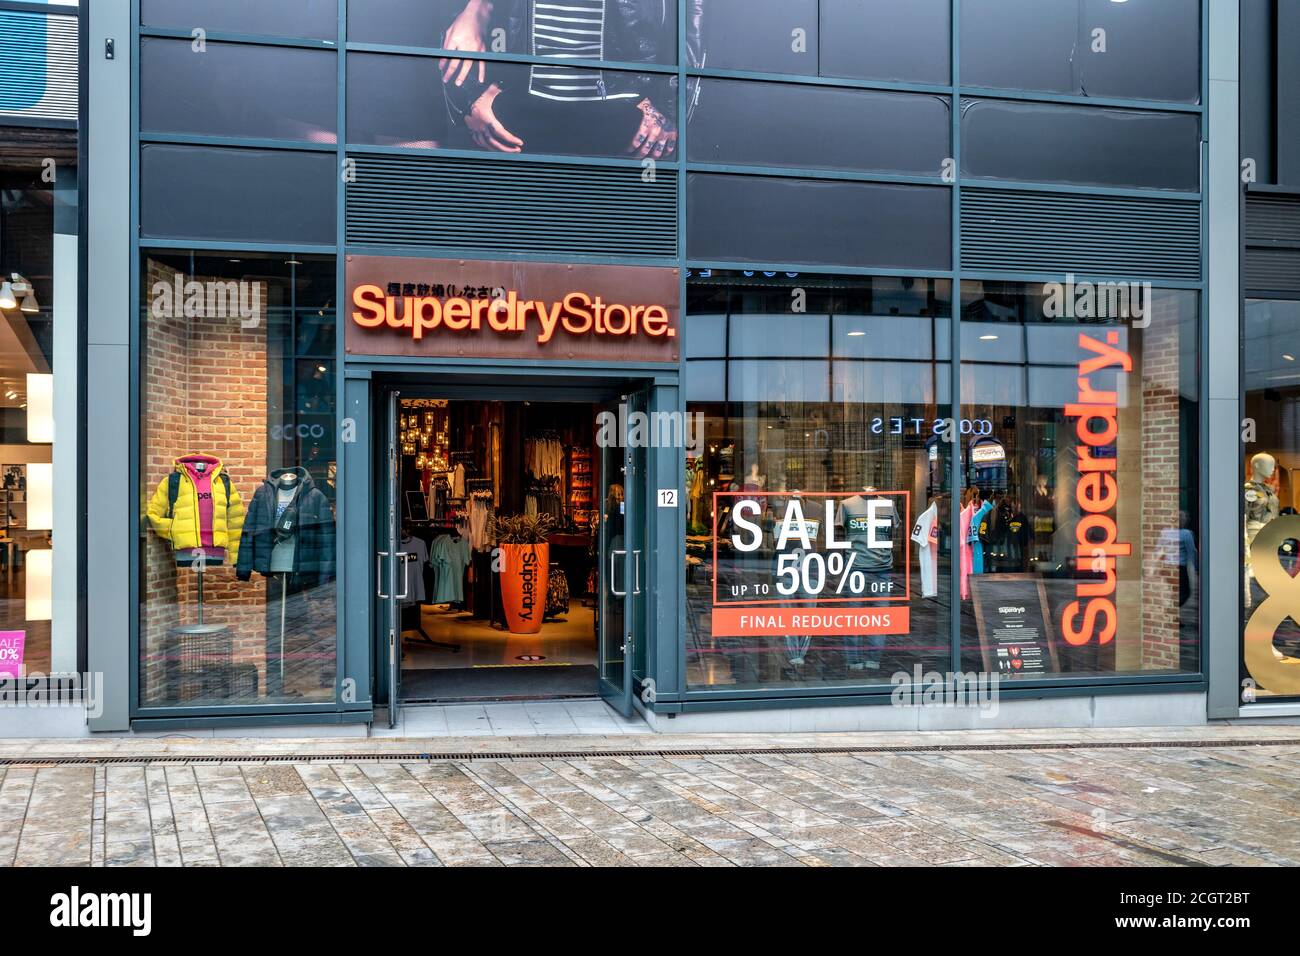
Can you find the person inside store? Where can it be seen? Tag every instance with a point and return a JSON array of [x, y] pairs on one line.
[[568, 109]]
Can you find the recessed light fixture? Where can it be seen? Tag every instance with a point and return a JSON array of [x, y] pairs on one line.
[[293, 262], [856, 334], [988, 338], [1288, 356]]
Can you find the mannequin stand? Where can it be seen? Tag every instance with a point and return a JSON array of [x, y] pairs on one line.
[[202, 652], [284, 595]]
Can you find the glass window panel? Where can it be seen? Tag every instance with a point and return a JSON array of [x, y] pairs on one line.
[[706, 381], [883, 337], [1271, 494], [313, 19], [402, 101], [765, 36], [260, 195], [820, 127], [766, 219], [886, 40], [768, 335], [613, 30], [1080, 492], [752, 380], [1142, 50], [270, 92], [708, 336], [237, 606], [38, 625], [1039, 142], [805, 433]]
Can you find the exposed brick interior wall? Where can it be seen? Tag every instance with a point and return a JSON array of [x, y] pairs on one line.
[[205, 391], [1161, 478]]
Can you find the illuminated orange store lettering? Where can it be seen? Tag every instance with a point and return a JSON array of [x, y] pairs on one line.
[[1093, 615], [576, 314]]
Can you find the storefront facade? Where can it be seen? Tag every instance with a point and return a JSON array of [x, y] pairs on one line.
[[923, 328], [41, 568]]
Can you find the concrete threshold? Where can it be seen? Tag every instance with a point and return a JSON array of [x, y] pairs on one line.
[[178, 747]]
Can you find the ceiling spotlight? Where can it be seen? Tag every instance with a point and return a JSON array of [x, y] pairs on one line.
[[7, 300]]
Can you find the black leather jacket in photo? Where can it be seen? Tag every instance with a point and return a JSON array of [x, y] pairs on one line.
[[636, 31]]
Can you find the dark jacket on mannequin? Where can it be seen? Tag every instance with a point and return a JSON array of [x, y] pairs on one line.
[[313, 521]]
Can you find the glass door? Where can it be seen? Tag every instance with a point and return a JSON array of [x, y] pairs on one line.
[[621, 543], [390, 586]]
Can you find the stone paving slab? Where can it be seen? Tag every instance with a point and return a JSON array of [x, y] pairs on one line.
[[1153, 802]]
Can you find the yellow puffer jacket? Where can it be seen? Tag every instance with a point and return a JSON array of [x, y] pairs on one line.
[[180, 525]]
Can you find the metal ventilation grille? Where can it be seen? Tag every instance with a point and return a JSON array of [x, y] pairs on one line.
[[1023, 231], [38, 65], [1272, 228], [445, 203]]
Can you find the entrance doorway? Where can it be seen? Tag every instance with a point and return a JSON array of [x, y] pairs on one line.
[[510, 540]]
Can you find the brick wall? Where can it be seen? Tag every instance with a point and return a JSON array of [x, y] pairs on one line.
[[1161, 478]]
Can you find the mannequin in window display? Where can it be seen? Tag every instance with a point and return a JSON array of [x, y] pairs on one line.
[[856, 514], [753, 480], [288, 537], [1261, 507]]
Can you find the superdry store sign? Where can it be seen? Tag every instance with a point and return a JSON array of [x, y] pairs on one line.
[[470, 308], [811, 565]]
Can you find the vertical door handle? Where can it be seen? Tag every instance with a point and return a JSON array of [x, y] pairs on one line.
[[379, 574], [403, 557], [613, 589], [636, 572]]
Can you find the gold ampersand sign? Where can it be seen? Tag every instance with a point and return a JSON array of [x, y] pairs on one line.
[[1277, 675]]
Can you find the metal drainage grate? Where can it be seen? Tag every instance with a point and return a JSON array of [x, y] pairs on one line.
[[469, 756]]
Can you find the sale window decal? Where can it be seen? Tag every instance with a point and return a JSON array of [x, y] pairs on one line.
[[811, 564]]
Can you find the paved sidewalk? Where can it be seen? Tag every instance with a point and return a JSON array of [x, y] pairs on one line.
[[1131, 797]]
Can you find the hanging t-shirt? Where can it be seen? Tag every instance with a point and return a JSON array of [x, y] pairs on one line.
[[1017, 541], [973, 537], [418, 557], [857, 519], [963, 538], [449, 559], [925, 534]]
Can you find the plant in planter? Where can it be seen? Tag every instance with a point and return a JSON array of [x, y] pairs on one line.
[[525, 561]]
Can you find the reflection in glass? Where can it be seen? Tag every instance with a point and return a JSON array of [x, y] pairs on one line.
[[1271, 493], [1080, 513], [511, 108], [237, 469], [1040, 142], [1147, 50], [839, 451]]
